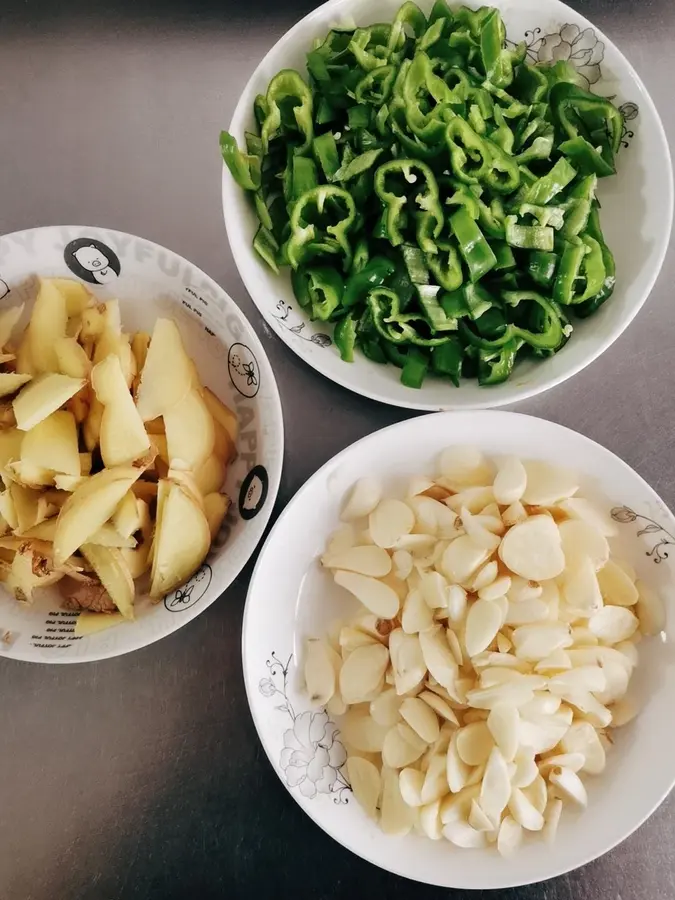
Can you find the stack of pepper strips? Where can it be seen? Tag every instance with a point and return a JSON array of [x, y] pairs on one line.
[[434, 193]]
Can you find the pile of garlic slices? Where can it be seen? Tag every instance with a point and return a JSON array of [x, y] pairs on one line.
[[492, 653]]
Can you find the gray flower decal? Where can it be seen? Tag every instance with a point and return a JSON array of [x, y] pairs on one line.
[[312, 756], [662, 539], [580, 48]]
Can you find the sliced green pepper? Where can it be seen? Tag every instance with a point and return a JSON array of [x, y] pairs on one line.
[[415, 263], [289, 105], [528, 237], [470, 157], [320, 222], [541, 267], [424, 194], [376, 86], [428, 295], [496, 366], [357, 166], [344, 336], [475, 250], [585, 118], [545, 188], [325, 287], [398, 327], [415, 368], [549, 339], [372, 275], [586, 158], [446, 266], [245, 167], [304, 177], [582, 262], [266, 246], [588, 307], [446, 359], [326, 154]]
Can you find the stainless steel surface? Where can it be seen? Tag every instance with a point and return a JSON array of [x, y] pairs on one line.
[[142, 776]]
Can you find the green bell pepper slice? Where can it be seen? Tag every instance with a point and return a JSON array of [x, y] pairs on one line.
[[582, 261], [244, 167], [361, 255], [496, 366], [545, 188], [447, 358], [446, 266], [397, 206], [376, 86], [304, 176], [541, 267], [372, 275], [528, 237], [320, 221], [288, 92], [475, 250], [588, 307], [586, 158], [428, 295], [325, 153], [344, 336], [503, 174], [470, 157], [409, 16], [549, 339], [415, 368], [582, 116], [325, 287], [267, 247], [398, 327], [415, 263], [357, 166]]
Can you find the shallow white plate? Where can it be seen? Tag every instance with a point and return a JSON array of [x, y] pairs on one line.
[[291, 598], [637, 207], [150, 282]]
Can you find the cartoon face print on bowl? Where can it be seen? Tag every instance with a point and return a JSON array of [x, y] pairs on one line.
[[244, 370], [92, 261], [253, 492]]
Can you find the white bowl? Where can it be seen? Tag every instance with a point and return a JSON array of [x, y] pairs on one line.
[[150, 282], [637, 207], [291, 598]]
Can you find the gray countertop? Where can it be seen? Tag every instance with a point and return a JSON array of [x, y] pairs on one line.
[[142, 776]]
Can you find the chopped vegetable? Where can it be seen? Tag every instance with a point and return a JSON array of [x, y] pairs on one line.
[[426, 159]]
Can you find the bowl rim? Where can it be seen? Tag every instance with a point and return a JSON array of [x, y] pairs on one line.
[[412, 399], [497, 416], [274, 469]]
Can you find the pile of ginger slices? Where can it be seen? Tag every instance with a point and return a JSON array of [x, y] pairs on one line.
[[113, 455]]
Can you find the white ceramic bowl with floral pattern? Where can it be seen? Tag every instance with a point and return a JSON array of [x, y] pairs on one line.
[[291, 598], [151, 281], [637, 206]]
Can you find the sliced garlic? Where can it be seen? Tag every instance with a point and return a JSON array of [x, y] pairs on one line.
[[613, 624], [320, 675], [365, 781], [510, 481], [364, 497], [533, 549], [483, 621], [547, 484], [373, 561], [376, 596], [362, 673]]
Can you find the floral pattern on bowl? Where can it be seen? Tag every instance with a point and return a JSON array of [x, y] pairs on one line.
[[312, 756]]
